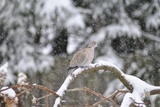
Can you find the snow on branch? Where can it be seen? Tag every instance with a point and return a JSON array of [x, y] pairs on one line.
[[11, 98], [138, 89], [150, 36]]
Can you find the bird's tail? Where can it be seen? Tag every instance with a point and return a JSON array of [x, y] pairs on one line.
[[70, 68]]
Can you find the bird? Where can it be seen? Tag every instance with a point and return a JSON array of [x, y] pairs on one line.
[[83, 57]]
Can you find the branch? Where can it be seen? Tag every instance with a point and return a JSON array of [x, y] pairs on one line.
[[97, 94], [138, 88], [98, 66], [141, 90], [29, 87], [150, 36], [110, 96]]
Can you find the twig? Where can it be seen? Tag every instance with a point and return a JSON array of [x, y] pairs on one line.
[[47, 101], [86, 98], [46, 89], [28, 88], [43, 97], [110, 96], [93, 92], [32, 86]]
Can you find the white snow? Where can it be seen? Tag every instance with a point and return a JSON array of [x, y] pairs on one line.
[[111, 57], [131, 30], [140, 91], [76, 21], [153, 99], [3, 73], [22, 78], [9, 92], [153, 21], [57, 102], [34, 84], [10, 78], [100, 35], [47, 50], [64, 86], [127, 100], [139, 85], [73, 43], [68, 80], [101, 62], [4, 68], [51, 5], [111, 87]]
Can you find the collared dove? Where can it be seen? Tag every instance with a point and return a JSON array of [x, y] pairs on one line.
[[83, 57]]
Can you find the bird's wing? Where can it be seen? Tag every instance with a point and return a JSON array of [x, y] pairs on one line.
[[79, 59]]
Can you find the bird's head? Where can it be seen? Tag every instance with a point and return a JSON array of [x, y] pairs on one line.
[[92, 44]]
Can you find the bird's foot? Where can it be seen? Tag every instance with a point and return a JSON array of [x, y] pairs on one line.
[[83, 66]]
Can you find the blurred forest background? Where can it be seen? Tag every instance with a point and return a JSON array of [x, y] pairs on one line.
[[39, 37]]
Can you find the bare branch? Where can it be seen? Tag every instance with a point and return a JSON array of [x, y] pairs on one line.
[[110, 96], [95, 93], [156, 91], [30, 87]]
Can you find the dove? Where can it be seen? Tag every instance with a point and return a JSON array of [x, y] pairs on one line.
[[83, 57]]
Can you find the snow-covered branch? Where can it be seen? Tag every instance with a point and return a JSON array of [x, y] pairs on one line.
[[138, 88], [150, 36], [140, 91]]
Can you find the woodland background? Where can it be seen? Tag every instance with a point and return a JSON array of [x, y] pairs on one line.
[[39, 37]]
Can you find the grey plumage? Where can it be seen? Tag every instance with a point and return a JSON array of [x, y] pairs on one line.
[[83, 57]]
